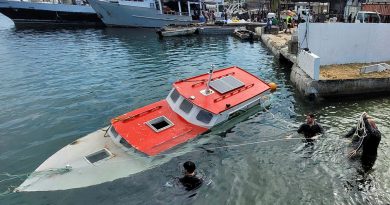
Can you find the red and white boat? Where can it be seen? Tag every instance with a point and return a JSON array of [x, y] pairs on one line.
[[137, 140]]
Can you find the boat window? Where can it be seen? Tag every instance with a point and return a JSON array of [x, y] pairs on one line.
[[124, 143], [204, 116], [174, 95], [186, 106], [97, 156], [113, 131], [159, 124]]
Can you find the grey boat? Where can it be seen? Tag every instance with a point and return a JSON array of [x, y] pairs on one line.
[[124, 13]]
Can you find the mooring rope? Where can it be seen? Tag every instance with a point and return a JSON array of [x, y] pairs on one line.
[[360, 127]]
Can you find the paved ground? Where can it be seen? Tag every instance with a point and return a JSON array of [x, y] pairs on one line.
[[349, 71]]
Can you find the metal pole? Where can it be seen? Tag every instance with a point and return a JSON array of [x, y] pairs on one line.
[[179, 4], [189, 8], [160, 5], [208, 82]]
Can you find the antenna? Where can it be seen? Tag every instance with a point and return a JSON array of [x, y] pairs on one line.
[[208, 82]]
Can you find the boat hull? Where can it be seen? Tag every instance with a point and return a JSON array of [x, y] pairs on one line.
[[68, 168], [27, 13], [114, 14], [177, 32]]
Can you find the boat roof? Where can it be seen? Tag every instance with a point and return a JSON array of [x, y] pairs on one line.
[[221, 101], [134, 128]]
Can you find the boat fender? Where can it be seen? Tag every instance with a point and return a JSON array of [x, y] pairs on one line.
[[273, 86]]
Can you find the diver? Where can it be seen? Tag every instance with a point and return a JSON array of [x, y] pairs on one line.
[[310, 129], [190, 181], [369, 142]]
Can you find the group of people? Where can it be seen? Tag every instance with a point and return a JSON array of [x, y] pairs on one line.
[[365, 139], [288, 23], [207, 16]]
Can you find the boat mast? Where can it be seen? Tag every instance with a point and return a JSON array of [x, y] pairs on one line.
[[208, 82]]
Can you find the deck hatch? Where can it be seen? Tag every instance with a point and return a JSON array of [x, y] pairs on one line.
[[226, 84], [97, 156], [159, 124]]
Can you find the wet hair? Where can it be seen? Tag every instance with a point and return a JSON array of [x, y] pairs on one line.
[[189, 166], [311, 115]]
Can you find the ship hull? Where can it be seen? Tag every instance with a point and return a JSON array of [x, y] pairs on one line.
[[26, 13], [117, 15]]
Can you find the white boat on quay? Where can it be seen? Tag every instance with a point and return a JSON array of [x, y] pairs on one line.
[[141, 13], [150, 136]]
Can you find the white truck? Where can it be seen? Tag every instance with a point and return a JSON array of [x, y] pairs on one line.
[[367, 17]]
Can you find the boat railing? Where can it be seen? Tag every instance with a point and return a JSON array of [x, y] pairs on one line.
[[137, 115], [176, 13], [204, 81], [234, 92]]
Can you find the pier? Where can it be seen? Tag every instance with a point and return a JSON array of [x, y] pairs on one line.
[[334, 80]]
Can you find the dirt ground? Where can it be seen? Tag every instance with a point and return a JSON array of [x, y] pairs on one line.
[[350, 71], [279, 40]]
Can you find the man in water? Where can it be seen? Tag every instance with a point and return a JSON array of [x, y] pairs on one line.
[[311, 128], [370, 143], [190, 180]]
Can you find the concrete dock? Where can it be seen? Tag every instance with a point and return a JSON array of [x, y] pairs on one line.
[[326, 86]]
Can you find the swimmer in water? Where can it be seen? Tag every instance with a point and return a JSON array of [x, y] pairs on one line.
[[310, 129], [190, 181]]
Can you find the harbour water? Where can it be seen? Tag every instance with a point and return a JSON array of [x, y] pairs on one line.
[[60, 84]]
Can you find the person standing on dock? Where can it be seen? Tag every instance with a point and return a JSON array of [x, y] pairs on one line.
[[350, 18], [310, 129]]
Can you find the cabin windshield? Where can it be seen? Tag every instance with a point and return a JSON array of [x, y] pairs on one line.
[[174, 95], [204, 116], [186, 106]]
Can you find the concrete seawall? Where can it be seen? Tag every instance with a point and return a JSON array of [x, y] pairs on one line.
[[336, 88], [278, 46], [323, 88]]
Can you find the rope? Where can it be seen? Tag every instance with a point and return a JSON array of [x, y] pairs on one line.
[[362, 128]]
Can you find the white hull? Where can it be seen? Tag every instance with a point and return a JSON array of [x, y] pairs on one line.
[[52, 174], [114, 14], [68, 168]]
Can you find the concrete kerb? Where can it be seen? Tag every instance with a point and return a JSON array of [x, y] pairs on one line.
[[334, 88]]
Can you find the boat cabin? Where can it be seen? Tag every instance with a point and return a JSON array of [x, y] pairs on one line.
[[193, 106]]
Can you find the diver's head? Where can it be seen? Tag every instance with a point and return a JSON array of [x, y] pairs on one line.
[[310, 118], [189, 167], [371, 121]]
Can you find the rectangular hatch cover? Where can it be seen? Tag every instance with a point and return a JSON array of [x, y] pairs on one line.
[[226, 84]]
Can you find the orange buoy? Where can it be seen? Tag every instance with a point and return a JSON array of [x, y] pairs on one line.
[[273, 86]]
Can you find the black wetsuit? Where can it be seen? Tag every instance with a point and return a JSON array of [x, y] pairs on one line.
[[191, 182], [310, 131], [370, 146]]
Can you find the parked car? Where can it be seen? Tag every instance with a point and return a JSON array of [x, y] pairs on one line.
[[367, 17]]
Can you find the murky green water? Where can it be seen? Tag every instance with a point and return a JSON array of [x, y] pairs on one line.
[[60, 84]]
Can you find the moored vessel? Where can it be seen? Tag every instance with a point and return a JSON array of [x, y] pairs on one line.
[[48, 13], [146, 13]]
